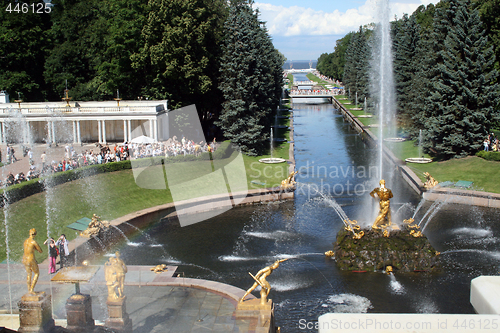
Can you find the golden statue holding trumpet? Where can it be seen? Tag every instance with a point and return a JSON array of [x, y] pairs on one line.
[[260, 280]]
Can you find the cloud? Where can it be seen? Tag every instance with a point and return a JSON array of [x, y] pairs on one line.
[[296, 21]]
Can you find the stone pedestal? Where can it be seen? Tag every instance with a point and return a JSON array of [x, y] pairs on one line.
[[35, 313], [79, 313], [118, 317], [260, 315]]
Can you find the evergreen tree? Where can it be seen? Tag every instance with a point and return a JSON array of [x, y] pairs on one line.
[[250, 79], [357, 65], [463, 103], [406, 44]]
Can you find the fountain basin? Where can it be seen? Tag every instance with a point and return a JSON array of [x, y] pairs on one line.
[[272, 160], [394, 139], [421, 160]]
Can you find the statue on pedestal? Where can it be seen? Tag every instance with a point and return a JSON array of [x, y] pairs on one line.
[[114, 272], [29, 261], [260, 280], [384, 195]]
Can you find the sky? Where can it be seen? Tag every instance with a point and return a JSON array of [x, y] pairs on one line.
[[303, 30]]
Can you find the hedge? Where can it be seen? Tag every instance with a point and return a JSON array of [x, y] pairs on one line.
[[489, 155], [25, 189]]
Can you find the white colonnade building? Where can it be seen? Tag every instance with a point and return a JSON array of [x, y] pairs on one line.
[[56, 122]]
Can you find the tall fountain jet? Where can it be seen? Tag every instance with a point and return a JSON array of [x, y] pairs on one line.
[[382, 80]]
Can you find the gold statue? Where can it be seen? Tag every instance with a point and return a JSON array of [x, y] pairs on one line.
[[289, 182], [431, 182], [29, 260], [95, 226], [260, 280], [159, 268], [384, 195], [114, 272], [329, 254]]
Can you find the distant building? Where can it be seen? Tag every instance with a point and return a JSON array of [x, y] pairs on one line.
[[54, 122]]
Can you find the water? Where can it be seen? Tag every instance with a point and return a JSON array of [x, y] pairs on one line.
[[332, 157], [382, 75]]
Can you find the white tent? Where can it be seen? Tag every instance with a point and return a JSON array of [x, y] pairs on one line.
[[142, 139]]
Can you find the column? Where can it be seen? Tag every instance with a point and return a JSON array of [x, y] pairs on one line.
[[125, 132], [99, 133], [151, 128], [2, 130], [74, 132], [104, 131], [49, 131], [155, 124], [78, 135], [53, 125], [129, 127]]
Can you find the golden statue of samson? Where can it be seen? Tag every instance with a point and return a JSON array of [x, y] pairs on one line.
[[384, 195]]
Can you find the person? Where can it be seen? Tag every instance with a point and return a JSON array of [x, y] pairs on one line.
[[62, 242], [260, 279], [43, 157], [30, 156], [52, 254], [486, 144], [29, 260], [384, 194]]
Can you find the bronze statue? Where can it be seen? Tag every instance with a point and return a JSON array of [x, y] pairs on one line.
[[431, 182], [384, 195], [289, 182], [95, 227], [29, 260], [260, 280], [114, 273]]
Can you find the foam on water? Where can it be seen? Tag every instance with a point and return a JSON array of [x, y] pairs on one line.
[[396, 286], [472, 232], [349, 303], [278, 234]]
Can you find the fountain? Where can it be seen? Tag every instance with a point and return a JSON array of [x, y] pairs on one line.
[[421, 159], [333, 158], [272, 160]]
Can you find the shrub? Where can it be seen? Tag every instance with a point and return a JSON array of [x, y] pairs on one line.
[[489, 155]]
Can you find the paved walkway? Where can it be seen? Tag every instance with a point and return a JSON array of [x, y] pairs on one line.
[[155, 302], [53, 154]]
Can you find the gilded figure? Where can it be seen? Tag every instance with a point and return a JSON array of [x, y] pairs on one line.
[[29, 261], [260, 280], [384, 194]]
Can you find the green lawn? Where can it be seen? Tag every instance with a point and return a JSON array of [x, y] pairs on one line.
[[484, 174]]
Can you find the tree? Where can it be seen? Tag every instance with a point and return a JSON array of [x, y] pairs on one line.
[[332, 64], [357, 65], [250, 79], [406, 45], [465, 94], [79, 34], [23, 46], [179, 58]]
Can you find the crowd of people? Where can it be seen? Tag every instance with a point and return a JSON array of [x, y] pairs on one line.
[[491, 143], [103, 154]]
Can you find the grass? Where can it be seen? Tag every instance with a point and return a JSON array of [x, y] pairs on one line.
[[484, 174], [115, 194]]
